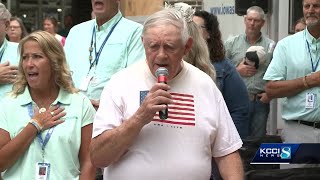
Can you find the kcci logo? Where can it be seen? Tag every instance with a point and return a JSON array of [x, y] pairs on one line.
[[283, 152]]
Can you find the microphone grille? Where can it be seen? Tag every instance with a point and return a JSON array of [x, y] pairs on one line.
[[161, 71]]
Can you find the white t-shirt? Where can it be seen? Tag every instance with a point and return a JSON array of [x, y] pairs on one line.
[[199, 126]]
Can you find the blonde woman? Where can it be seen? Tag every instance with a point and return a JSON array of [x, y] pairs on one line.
[[50, 135]]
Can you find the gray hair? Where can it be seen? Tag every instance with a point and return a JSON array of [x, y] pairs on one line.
[[257, 9], [4, 13], [167, 17]]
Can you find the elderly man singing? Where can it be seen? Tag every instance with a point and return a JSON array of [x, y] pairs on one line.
[[131, 138]]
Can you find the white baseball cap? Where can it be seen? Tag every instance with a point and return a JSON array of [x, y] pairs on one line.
[[260, 52]]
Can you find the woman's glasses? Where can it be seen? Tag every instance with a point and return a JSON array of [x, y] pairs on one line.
[[14, 27]]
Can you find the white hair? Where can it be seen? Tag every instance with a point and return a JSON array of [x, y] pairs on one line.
[[168, 17]]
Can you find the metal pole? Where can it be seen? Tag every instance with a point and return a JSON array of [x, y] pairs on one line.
[[273, 34], [63, 12], [9, 5], [40, 14]]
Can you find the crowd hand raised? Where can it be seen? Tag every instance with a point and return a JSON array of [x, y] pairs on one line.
[[49, 118], [156, 100], [246, 70], [8, 74]]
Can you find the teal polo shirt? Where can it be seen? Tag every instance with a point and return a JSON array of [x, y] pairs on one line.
[[291, 60], [123, 48], [62, 149]]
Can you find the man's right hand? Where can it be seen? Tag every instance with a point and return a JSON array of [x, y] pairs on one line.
[[156, 100], [246, 70], [8, 74]]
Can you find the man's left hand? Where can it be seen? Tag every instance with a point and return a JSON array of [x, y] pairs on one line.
[[264, 97], [95, 103], [246, 70]]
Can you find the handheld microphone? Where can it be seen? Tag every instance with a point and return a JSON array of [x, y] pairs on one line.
[[162, 74]]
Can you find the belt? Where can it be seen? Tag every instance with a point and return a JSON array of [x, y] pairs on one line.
[[308, 123], [253, 97]]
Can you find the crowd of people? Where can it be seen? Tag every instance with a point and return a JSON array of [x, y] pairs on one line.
[[94, 103]]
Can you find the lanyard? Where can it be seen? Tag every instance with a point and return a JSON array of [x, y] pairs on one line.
[[314, 67], [96, 59], [4, 48], [43, 142]]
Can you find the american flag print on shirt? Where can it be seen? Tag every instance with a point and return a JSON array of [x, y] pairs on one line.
[[181, 112]]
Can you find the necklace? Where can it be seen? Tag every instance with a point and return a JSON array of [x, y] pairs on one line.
[[41, 105], [42, 110]]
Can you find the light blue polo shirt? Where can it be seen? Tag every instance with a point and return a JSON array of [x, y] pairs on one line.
[[62, 149], [291, 60], [123, 48], [10, 54]]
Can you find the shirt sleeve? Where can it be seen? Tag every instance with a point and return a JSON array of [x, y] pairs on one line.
[[109, 114], [89, 112], [68, 44], [277, 67], [3, 119], [227, 46], [227, 139]]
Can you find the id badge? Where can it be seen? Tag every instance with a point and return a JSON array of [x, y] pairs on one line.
[[42, 171], [310, 100], [94, 81], [85, 83]]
